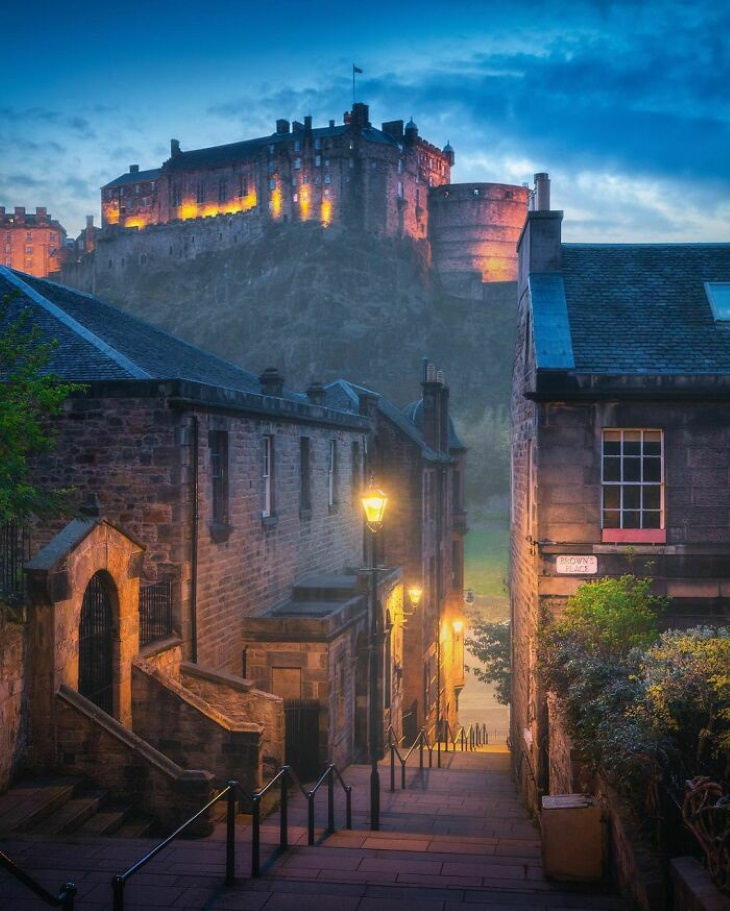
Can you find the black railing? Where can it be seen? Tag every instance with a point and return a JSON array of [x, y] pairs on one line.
[[329, 775], [421, 743], [155, 611], [14, 552], [229, 792], [286, 777], [65, 897]]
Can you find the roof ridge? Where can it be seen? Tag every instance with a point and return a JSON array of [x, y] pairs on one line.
[[124, 362]]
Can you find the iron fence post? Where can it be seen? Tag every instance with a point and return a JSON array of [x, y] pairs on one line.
[[255, 837], [118, 892], [284, 813], [348, 807], [231, 833], [330, 801], [310, 817], [66, 895]]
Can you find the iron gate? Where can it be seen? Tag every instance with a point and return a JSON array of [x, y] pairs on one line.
[[302, 737], [95, 645]]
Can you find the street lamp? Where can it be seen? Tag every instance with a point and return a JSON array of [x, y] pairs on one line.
[[374, 502]]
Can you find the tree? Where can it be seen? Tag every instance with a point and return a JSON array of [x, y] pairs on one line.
[[29, 396], [490, 643]]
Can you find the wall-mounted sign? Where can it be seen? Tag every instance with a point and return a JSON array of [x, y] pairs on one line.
[[577, 565]]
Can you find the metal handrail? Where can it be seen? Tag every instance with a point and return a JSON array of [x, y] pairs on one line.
[[421, 742], [229, 792], [65, 897], [329, 775]]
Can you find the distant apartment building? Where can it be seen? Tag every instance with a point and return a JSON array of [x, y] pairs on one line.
[[31, 242]]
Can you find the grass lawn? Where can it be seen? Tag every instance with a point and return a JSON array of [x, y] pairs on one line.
[[486, 556]]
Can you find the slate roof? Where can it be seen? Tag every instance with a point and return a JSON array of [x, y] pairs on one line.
[[222, 155], [631, 309], [133, 177], [97, 341], [343, 395]]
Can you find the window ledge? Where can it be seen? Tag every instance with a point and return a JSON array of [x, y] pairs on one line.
[[633, 535], [220, 531]]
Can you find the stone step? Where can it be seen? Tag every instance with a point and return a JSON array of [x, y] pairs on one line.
[[67, 818], [135, 826], [29, 802], [106, 821]]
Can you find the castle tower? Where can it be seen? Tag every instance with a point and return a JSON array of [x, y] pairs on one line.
[[474, 228]]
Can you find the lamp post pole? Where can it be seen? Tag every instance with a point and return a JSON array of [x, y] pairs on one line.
[[375, 723], [374, 502]]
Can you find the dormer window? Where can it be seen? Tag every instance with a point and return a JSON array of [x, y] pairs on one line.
[[718, 294]]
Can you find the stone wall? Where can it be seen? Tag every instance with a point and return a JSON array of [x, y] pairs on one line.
[[474, 228], [526, 704], [13, 731], [192, 732], [107, 754], [138, 454]]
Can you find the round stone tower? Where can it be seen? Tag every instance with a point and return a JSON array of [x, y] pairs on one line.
[[474, 228]]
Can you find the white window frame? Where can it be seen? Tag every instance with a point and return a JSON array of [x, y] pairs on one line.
[[267, 476], [635, 490]]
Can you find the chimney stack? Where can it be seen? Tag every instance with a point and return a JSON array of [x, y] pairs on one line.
[[272, 382], [174, 147], [282, 126], [435, 425], [541, 194], [134, 169], [316, 393]]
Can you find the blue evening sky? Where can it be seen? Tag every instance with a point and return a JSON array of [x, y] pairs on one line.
[[625, 104]]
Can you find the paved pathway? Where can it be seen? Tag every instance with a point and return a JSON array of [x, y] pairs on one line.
[[457, 839]]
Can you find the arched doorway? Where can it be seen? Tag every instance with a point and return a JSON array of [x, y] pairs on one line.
[[96, 655]]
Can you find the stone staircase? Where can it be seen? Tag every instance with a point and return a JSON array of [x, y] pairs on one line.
[[51, 806]]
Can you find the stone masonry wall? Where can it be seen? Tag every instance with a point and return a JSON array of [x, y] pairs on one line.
[[12, 687], [523, 576], [193, 733]]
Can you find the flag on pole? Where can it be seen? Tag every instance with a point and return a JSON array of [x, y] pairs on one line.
[[356, 69]]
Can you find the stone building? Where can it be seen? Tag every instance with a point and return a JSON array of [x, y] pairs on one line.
[[388, 181], [31, 242], [419, 461], [220, 546], [349, 173], [620, 439]]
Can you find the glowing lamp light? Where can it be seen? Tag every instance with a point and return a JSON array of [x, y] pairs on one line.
[[458, 627], [374, 502], [415, 592]]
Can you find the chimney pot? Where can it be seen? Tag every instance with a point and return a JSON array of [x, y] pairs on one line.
[[542, 192], [174, 147]]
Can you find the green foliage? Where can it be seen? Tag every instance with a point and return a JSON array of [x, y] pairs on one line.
[[686, 678], [490, 643], [639, 704], [28, 397], [609, 617]]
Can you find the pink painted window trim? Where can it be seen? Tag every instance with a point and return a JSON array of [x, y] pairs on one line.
[[634, 535]]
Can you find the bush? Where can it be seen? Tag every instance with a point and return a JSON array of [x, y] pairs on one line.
[[639, 705]]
